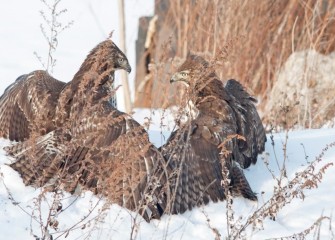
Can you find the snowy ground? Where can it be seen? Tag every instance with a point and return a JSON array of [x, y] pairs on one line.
[[20, 217], [16, 221]]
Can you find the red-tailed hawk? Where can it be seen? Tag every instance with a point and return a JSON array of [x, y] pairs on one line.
[[32, 103], [92, 145], [224, 132]]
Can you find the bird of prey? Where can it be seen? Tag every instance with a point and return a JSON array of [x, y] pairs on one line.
[[224, 135], [31, 104], [91, 145]]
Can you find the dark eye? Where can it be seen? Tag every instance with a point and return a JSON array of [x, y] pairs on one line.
[[184, 74], [121, 59]]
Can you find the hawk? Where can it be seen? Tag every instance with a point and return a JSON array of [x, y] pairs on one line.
[[224, 133], [91, 145], [30, 99], [32, 103]]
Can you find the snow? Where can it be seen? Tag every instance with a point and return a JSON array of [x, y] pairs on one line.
[[116, 222], [22, 210]]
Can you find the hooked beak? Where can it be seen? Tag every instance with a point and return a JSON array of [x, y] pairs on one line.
[[128, 68], [174, 78]]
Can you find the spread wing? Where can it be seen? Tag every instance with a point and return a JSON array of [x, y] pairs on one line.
[[195, 169], [227, 133], [106, 152], [196, 160], [32, 97], [249, 124]]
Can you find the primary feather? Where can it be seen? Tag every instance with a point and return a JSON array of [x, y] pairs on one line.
[[226, 133], [91, 145]]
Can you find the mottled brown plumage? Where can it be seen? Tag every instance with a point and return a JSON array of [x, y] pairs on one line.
[[224, 132], [93, 82], [106, 152], [93, 145], [36, 101], [90, 85], [29, 104]]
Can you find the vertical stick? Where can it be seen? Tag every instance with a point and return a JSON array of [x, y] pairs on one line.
[[124, 75]]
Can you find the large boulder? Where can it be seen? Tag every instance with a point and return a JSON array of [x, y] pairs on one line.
[[304, 93]]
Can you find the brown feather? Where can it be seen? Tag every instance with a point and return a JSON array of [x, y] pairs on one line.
[[227, 132], [29, 104], [93, 145]]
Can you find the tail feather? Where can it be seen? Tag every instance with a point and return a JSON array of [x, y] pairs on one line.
[[240, 185], [36, 159]]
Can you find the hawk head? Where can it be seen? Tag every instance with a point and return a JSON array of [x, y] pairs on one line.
[[107, 57], [193, 65], [120, 60]]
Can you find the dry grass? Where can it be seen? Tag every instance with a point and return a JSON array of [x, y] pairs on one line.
[[51, 28], [126, 152], [247, 40], [257, 38]]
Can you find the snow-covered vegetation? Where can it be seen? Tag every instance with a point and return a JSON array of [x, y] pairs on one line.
[[293, 178], [26, 210]]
